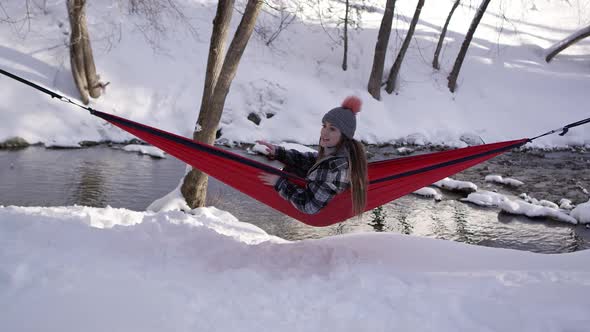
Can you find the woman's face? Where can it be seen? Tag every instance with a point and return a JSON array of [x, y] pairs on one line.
[[329, 136]]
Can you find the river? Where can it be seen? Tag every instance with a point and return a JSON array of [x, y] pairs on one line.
[[108, 176]]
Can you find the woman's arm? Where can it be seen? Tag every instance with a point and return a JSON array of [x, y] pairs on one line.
[[301, 160], [316, 194]]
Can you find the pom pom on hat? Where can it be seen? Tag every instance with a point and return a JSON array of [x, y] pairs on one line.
[[353, 103]]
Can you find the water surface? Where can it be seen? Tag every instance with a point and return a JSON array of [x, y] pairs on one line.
[[102, 175]]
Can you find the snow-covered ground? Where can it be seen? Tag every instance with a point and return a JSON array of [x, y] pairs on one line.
[[456, 185], [502, 180], [428, 192], [143, 149], [90, 269], [532, 208], [506, 89]]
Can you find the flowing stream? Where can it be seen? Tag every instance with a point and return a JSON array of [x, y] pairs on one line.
[[101, 175]]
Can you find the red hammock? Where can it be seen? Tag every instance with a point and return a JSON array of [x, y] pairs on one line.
[[388, 179]]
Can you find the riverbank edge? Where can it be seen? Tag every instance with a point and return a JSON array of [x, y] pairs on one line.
[[403, 148]]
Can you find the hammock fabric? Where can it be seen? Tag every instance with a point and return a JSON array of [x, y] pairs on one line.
[[388, 179]]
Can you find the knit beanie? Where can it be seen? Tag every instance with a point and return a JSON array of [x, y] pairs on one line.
[[343, 117]]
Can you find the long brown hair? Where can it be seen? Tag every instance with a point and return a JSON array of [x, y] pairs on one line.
[[357, 162]]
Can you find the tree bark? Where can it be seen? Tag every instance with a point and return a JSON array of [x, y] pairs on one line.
[[233, 57], [93, 87], [345, 57], [452, 84], [216, 51], [443, 33], [374, 86], [567, 42], [194, 187], [391, 80], [75, 11], [81, 57]]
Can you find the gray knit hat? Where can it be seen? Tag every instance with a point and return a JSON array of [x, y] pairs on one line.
[[343, 117]]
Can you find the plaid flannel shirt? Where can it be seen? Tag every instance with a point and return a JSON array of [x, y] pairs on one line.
[[326, 178]]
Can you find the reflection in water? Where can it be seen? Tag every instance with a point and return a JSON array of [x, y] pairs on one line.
[[576, 242], [461, 226], [438, 227], [406, 227], [378, 219], [102, 176], [403, 217], [90, 189], [97, 176], [339, 229]]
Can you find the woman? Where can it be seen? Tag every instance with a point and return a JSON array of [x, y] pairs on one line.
[[340, 163]]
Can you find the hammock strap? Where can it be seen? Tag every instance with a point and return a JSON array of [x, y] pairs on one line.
[[563, 129], [53, 94]]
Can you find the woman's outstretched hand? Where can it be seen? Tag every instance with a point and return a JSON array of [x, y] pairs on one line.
[[270, 148], [268, 179]]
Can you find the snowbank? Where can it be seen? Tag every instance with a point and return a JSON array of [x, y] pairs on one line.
[[172, 271], [145, 149]]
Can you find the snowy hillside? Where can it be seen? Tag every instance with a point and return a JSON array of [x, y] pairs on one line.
[[506, 90]]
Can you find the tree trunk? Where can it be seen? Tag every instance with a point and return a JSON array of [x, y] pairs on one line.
[[194, 187], [391, 80], [93, 87], [443, 33], [567, 42], [75, 12], [81, 58], [374, 86], [344, 59], [461, 56], [233, 56]]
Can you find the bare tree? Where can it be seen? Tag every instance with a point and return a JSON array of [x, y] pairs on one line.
[[219, 77], [81, 57], [391, 80], [20, 23], [194, 186], [285, 16], [567, 42], [330, 16], [374, 86], [452, 84], [345, 37], [443, 33], [156, 13]]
